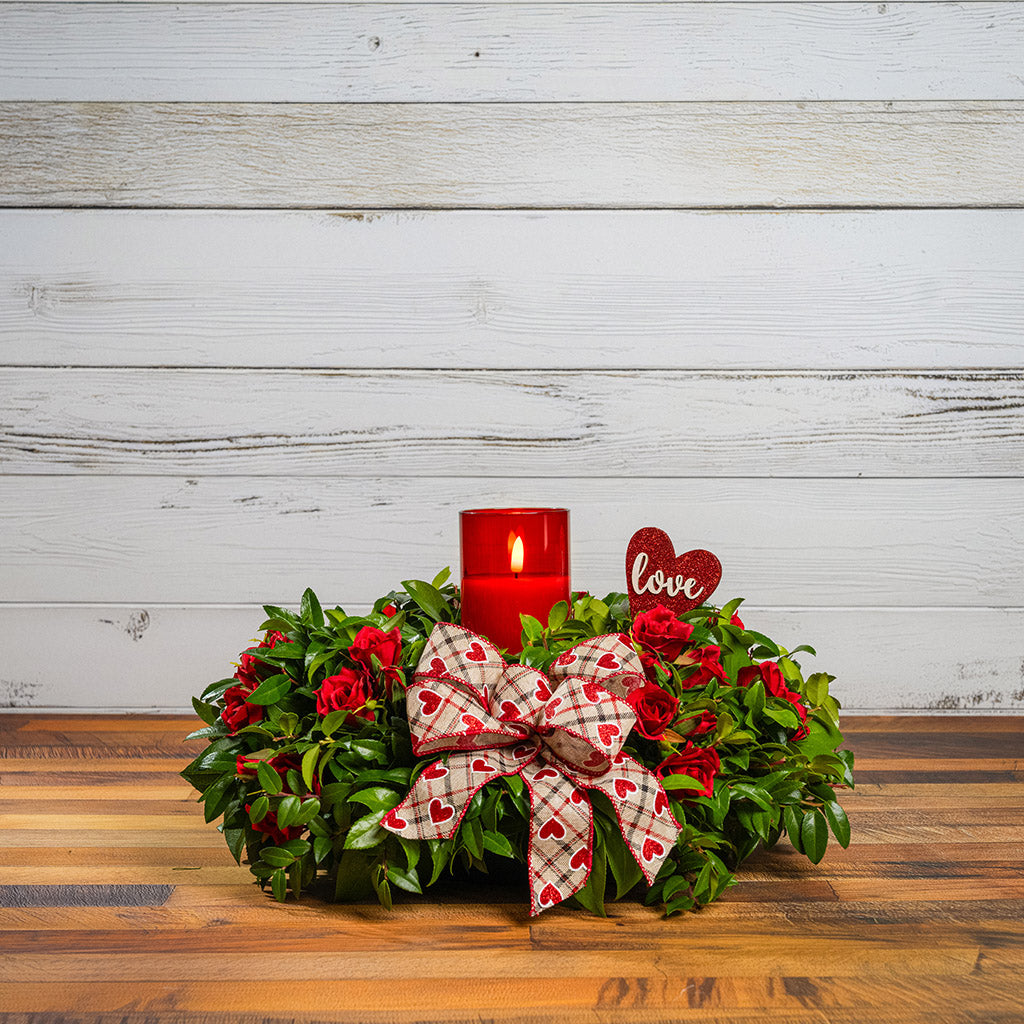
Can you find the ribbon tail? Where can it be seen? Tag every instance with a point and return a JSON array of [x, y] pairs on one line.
[[561, 836], [641, 805], [437, 802]]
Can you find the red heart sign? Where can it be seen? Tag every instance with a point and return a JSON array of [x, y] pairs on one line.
[[656, 575]]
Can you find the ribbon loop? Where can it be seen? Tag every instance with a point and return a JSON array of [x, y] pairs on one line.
[[563, 735]]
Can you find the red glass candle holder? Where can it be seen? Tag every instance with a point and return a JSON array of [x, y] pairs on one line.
[[514, 561]]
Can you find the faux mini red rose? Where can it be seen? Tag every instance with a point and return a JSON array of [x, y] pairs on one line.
[[661, 632], [709, 666], [238, 712], [700, 763], [349, 690], [370, 643], [655, 710]]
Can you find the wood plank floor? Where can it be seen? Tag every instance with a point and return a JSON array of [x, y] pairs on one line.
[[149, 920]]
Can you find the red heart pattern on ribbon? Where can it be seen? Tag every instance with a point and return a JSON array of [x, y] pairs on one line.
[[562, 734]]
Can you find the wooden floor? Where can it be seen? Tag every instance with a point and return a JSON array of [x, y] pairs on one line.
[[922, 919]]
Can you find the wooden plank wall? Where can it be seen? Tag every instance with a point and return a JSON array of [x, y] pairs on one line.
[[285, 285]]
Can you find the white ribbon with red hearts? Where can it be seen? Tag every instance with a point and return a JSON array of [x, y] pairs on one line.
[[563, 735]]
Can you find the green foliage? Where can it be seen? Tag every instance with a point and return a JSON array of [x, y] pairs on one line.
[[309, 802]]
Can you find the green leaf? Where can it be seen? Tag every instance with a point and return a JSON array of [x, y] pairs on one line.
[[404, 878], [309, 759], [307, 812], [441, 578], [497, 843], [365, 833], [792, 818], [839, 823], [591, 895], [280, 652], [532, 628], [766, 642], [207, 712], [816, 688], [322, 847], [235, 838], [558, 615], [754, 698], [814, 835], [784, 715], [430, 599], [215, 690], [332, 721], [352, 881], [681, 782], [279, 885], [383, 890], [287, 811], [376, 798], [310, 609], [269, 779], [270, 691], [276, 858], [207, 732], [258, 809]]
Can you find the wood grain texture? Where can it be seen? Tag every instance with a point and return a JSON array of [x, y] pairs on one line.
[[242, 539], [952, 659], [899, 928], [581, 290], [371, 53], [524, 423], [550, 155]]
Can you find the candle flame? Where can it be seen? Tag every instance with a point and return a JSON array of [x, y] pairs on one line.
[[516, 561]]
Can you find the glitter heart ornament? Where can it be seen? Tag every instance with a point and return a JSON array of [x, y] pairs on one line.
[[656, 575]]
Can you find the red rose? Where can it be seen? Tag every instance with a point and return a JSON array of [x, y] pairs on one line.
[[655, 709], [370, 643], [700, 763], [349, 690], [651, 663], [268, 825], [247, 672], [660, 631], [388, 610], [706, 722], [709, 666], [238, 713], [769, 673]]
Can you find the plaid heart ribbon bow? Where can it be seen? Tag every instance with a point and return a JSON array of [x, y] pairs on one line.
[[563, 735]]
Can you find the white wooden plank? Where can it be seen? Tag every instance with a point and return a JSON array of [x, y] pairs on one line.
[[159, 656], [586, 289], [236, 540], [372, 53], [479, 3], [512, 423], [548, 155]]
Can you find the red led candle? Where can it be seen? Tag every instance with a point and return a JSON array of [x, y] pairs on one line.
[[514, 561]]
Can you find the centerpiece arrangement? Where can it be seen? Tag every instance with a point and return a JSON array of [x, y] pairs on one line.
[[643, 737]]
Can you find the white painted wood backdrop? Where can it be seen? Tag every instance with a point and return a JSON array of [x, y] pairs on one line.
[[283, 286]]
